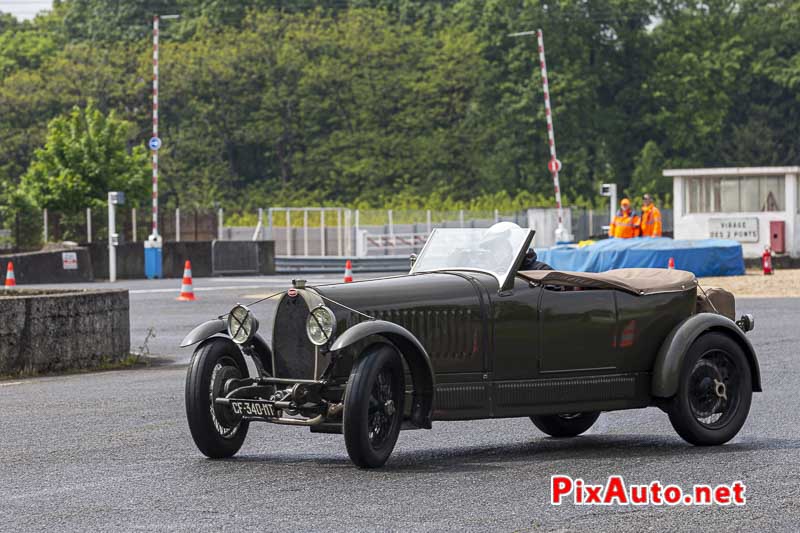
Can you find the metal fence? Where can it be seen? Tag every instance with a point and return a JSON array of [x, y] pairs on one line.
[[297, 231], [28, 231]]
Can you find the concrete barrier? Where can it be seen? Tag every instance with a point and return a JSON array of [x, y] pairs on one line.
[[130, 259], [62, 266], [52, 331]]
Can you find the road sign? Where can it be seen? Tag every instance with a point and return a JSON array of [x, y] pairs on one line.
[[69, 260], [554, 165], [154, 143]]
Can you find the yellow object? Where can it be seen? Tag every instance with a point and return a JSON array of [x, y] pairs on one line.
[[587, 242]]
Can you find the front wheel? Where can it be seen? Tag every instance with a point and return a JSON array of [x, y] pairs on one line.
[[216, 431], [714, 391], [565, 425], [373, 406]]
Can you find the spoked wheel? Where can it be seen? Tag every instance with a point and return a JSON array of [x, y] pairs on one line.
[[566, 424], [373, 406], [714, 392], [216, 431]]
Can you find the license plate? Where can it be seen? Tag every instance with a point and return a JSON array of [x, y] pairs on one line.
[[255, 408]]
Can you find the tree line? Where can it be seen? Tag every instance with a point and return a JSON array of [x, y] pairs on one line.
[[390, 103]]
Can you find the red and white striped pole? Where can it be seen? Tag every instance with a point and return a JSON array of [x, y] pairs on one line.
[[154, 235], [554, 165]]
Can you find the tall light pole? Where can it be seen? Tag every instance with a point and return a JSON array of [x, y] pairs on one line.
[[152, 262], [553, 165]]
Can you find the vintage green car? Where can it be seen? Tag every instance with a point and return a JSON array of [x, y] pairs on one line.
[[469, 334]]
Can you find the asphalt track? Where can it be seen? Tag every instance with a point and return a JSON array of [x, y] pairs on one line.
[[111, 451]]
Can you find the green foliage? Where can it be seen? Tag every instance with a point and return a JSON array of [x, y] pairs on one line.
[[85, 155], [19, 214], [647, 176], [23, 46], [406, 104]]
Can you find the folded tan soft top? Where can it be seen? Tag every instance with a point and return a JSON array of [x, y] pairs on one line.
[[638, 281]]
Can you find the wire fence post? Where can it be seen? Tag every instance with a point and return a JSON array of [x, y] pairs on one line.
[[322, 231], [288, 232], [220, 225], [358, 230], [390, 213], [305, 232], [259, 226], [339, 232], [269, 223], [460, 218], [428, 219], [348, 235], [89, 225], [496, 216], [177, 224], [44, 221], [133, 224]]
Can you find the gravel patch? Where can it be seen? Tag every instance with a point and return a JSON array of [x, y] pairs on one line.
[[754, 284]]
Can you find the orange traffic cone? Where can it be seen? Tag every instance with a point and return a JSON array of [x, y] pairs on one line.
[[11, 281], [187, 292], [348, 272], [671, 264]]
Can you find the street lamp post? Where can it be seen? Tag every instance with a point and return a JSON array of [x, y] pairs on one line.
[[153, 244]]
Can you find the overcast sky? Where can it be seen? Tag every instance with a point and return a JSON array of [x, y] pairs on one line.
[[24, 9]]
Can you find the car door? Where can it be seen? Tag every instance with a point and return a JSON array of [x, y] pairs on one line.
[[515, 320], [577, 331]]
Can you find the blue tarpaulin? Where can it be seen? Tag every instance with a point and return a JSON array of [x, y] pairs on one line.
[[708, 257]]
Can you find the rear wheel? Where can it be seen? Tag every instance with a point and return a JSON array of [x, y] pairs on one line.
[[714, 391], [373, 406], [216, 431], [566, 424]]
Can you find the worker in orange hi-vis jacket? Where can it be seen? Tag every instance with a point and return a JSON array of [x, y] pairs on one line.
[[651, 218], [626, 223]]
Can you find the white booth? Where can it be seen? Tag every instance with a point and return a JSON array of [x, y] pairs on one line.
[[757, 206]]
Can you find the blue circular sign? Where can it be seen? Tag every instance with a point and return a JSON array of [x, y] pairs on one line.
[[154, 143]]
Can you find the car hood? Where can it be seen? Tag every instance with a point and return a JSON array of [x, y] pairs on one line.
[[442, 297], [405, 292]]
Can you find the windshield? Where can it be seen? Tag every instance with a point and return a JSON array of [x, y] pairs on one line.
[[494, 250]]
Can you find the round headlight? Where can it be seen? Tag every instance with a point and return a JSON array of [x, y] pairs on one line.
[[242, 325], [320, 325]]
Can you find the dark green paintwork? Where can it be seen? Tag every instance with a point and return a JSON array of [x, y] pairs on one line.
[[527, 350], [670, 357]]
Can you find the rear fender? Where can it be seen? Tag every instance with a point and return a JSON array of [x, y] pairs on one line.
[[414, 355], [667, 368]]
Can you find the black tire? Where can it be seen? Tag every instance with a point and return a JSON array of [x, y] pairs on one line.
[[714, 391], [565, 425], [215, 430], [371, 424]]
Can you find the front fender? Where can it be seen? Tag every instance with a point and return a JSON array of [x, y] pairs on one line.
[[667, 368], [204, 331], [215, 327], [415, 355]]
